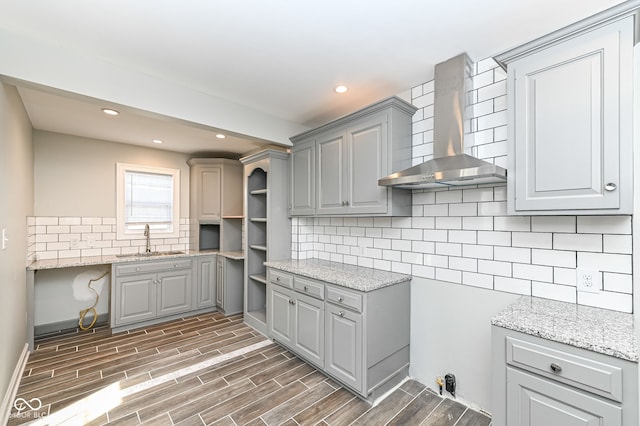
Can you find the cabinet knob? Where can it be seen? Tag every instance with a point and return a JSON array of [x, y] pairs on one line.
[[556, 368], [340, 298], [137, 268], [277, 278], [610, 187], [175, 266], [306, 288], [292, 302], [341, 313]]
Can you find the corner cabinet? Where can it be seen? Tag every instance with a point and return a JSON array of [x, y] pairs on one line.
[[268, 228], [335, 168], [570, 102], [537, 382]]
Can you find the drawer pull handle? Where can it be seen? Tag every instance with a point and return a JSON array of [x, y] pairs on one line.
[[340, 298], [306, 288], [341, 313], [556, 368]]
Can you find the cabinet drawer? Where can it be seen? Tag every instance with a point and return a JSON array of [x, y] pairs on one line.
[[310, 287], [597, 377], [345, 298], [152, 266], [281, 278]]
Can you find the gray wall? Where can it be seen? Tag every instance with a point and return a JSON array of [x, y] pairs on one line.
[[76, 176], [451, 333], [16, 193]]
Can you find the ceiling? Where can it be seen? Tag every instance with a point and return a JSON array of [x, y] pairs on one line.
[[279, 57]]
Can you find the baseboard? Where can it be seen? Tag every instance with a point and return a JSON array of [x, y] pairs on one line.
[[66, 325], [12, 390]]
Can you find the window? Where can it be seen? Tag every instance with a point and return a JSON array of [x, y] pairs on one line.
[[147, 195]]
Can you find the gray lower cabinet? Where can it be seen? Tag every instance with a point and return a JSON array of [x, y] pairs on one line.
[[229, 285], [148, 290], [541, 383], [205, 294], [347, 334], [297, 320]]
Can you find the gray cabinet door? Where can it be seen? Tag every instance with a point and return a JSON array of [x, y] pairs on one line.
[[344, 346], [220, 277], [209, 196], [174, 292], [303, 181], [571, 125], [332, 171], [206, 282], [366, 143], [309, 329], [135, 298], [533, 401], [280, 321]]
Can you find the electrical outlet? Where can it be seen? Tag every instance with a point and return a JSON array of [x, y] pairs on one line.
[[588, 280]]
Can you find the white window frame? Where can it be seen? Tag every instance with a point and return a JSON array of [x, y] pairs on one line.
[[137, 232]]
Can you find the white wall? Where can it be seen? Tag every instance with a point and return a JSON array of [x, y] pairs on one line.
[[16, 193]]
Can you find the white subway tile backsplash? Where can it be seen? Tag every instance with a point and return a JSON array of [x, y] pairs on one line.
[[463, 264], [463, 209], [553, 224], [449, 275], [618, 244], [512, 223], [449, 249], [620, 263], [578, 242], [465, 237], [541, 240], [551, 291], [564, 259], [449, 197], [604, 224], [494, 238], [512, 254], [477, 251], [448, 222], [477, 194], [533, 272], [607, 300], [493, 267], [477, 223], [423, 271], [496, 208], [565, 276], [512, 285], [620, 283], [477, 280]]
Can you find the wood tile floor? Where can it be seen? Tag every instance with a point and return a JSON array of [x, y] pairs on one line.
[[204, 370]]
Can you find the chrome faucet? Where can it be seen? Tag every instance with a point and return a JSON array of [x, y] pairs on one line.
[[147, 234]]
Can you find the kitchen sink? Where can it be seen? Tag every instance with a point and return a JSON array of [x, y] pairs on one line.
[[151, 254]]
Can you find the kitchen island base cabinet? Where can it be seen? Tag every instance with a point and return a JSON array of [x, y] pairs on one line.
[[360, 339]]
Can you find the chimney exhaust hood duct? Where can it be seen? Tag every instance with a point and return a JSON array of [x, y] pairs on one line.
[[450, 165]]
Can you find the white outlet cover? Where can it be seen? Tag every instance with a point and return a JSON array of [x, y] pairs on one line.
[[588, 280]]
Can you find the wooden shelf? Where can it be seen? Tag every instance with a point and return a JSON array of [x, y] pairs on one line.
[[259, 192], [258, 247], [259, 219], [233, 217]]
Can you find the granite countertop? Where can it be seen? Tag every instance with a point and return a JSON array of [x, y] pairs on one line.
[[110, 259], [598, 330], [350, 276]]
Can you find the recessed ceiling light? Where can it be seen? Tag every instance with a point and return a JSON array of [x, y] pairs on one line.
[[110, 111], [220, 136], [158, 141], [341, 89]]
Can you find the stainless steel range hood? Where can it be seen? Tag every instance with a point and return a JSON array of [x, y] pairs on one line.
[[450, 165]]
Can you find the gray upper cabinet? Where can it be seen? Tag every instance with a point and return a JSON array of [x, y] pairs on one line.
[[571, 120], [335, 168], [303, 191]]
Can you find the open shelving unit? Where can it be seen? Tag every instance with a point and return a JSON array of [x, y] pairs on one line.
[[268, 228]]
